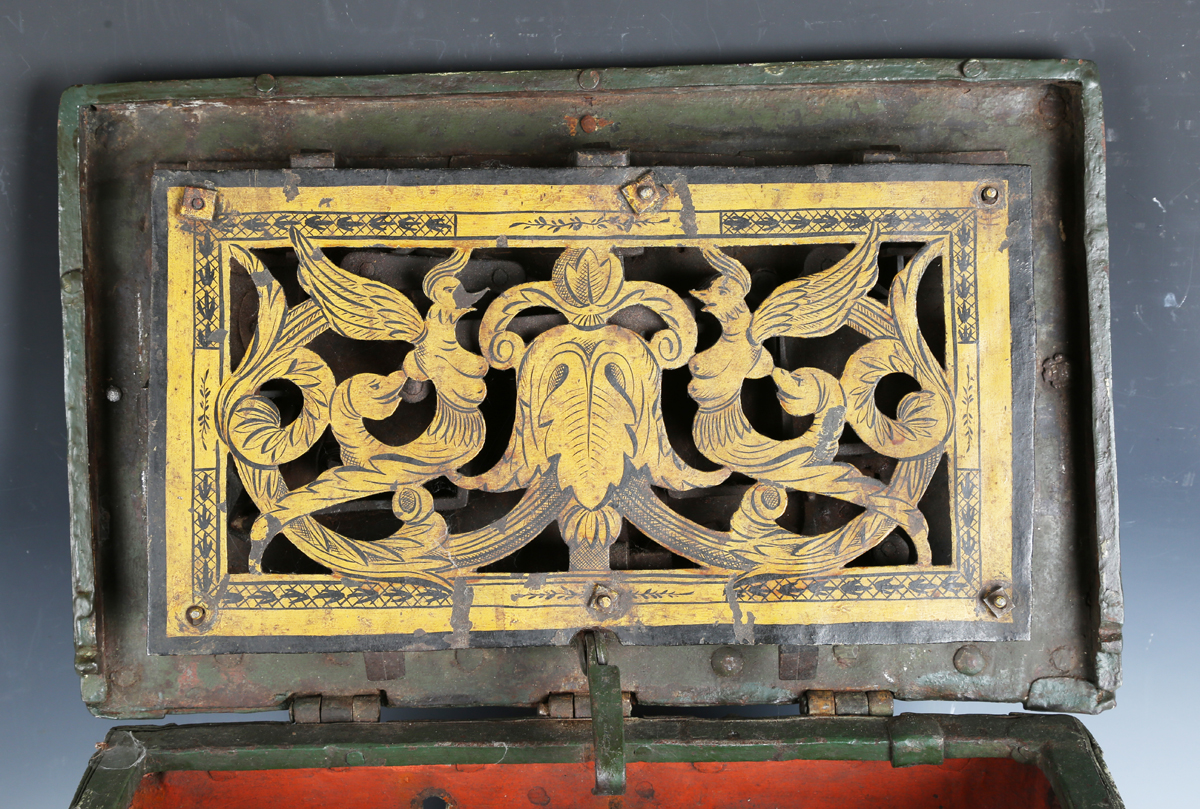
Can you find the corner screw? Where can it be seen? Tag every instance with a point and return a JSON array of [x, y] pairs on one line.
[[989, 194], [589, 79], [195, 615], [265, 83], [197, 203], [972, 68], [998, 601], [969, 660], [113, 394]]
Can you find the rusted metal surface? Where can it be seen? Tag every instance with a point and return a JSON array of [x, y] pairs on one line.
[[1045, 116]]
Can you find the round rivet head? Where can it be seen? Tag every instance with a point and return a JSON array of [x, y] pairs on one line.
[[198, 203], [589, 79], [265, 83], [604, 602], [112, 393], [972, 68], [969, 660], [588, 124], [195, 614], [727, 662]]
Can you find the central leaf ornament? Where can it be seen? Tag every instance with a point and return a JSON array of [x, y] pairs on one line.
[[588, 396]]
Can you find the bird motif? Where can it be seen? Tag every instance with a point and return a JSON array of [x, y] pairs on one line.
[[810, 306], [364, 309]]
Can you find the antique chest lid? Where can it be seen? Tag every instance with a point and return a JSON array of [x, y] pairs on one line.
[[371, 409]]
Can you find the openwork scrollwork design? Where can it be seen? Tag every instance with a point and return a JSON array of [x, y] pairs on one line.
[[588, 446]]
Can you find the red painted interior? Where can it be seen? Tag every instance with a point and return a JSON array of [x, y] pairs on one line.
[[957, 784]]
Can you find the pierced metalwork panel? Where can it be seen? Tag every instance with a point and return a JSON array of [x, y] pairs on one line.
[[422, 409]]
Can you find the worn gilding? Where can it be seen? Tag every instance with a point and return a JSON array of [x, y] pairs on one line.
[[587, 447]]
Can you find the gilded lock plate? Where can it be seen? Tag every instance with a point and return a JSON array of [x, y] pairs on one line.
[[451, 440]]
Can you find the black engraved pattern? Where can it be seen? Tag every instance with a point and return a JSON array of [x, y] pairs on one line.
[[204, 531], [275, 225]]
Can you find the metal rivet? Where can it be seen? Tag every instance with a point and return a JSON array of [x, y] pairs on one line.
[[969, 660], [727, 662], [604, 602], [589, 79], [264, 83], [197, 203], [588, 124], [972, 68], [112, 393], [989, 194], [195, 615], [645, 192], [1000, 601]]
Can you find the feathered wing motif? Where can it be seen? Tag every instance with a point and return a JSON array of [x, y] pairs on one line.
[[819, 304], [354, 307]]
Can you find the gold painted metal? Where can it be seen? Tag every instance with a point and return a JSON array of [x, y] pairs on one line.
[[588, 445]]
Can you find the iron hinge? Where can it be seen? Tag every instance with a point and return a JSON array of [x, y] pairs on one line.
[[323, 708], [570, 705], [849, 703]]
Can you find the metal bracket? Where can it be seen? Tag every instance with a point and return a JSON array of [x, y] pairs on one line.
[[608, 722]]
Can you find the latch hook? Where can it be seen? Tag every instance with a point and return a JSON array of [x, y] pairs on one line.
[[608, 722]]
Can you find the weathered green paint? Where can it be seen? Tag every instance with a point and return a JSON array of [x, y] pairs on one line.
[[608, 720], [916, 739], [441, 115], [1060, 746]]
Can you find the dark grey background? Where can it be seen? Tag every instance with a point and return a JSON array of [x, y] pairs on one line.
[[1148, 55]]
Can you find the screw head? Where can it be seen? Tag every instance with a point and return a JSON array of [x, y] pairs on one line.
[[264, 83], [604, 602], [195, 615], [645, 192], [989, 194], [113, 394], [969, 660], [589, 79], [972, 68], [998, 601], [727, 662]]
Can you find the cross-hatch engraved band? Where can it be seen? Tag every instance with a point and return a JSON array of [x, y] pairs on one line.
[[588, 447]]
